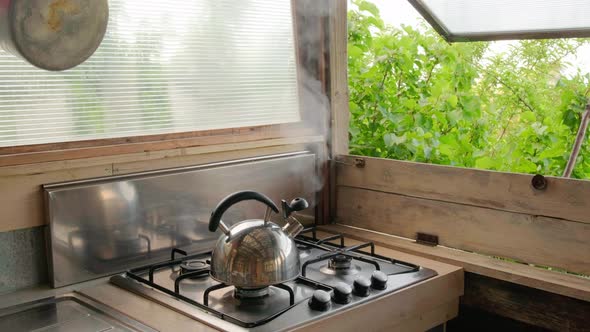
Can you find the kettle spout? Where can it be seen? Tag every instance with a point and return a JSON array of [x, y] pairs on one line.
[[293, 227]]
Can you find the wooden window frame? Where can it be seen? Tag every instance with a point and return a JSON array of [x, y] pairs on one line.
[[24, 169], [39, 153]]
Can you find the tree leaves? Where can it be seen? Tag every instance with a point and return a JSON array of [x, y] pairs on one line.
[[392, 139], [528, 116], [485, 163], [413, 96], [453, 100], [367, 6]]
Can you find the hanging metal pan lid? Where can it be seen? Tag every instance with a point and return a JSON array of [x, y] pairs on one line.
[[53, 34]]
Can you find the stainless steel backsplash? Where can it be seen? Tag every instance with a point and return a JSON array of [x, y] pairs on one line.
[[104, 226]]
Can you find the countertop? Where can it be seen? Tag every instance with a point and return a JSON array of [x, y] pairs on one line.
[[415, 308]]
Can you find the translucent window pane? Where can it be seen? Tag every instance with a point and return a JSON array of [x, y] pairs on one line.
[[473, 18], [163, 67]]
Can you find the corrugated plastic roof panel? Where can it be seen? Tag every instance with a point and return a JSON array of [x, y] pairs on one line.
[[476, 20]]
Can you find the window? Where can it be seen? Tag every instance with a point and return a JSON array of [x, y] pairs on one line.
[[514, 106], [464, 20], [163, 67]]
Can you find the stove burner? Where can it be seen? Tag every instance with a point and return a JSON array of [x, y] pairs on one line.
[[251, 293], [340, 262], [354, 269], [193, 266], [340, 258]]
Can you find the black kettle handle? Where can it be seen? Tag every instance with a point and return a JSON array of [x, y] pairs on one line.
[[234, 198]]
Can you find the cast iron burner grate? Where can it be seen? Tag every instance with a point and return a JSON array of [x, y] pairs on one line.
[[174, 261], [237, 291], [337, 253], [340, 255], [193, 265]]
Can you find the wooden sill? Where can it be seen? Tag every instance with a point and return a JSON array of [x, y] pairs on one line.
[[40, 153], [555, 282]]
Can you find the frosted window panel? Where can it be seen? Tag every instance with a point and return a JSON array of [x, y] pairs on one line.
[[473, 18], [163, 67]]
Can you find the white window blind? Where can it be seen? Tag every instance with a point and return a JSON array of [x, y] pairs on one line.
[[163, 67]]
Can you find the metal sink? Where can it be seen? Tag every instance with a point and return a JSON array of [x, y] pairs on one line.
[[69, 312]]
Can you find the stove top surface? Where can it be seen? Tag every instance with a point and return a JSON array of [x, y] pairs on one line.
[[332, 277]]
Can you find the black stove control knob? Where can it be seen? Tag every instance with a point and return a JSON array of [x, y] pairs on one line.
[[361, 286], [379, 280], [320, 301], [342, 293]]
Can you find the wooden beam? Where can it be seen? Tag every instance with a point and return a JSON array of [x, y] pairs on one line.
[[113, 147], [338, 68], [338, 87], [531, 239], [21, 198], [563, 198], [110, 160], [550, 281]]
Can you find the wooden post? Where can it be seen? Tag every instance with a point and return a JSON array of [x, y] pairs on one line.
[[338, 68], [338, 77]]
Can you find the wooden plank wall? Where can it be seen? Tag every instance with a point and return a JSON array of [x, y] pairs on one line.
[[495, 305], [491, 213]]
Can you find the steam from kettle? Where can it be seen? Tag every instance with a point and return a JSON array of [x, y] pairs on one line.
[[315, 105]]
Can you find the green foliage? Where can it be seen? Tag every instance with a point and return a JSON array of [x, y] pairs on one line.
[[415, 97]]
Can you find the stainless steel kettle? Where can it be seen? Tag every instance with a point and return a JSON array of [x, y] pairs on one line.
[[256, 253]]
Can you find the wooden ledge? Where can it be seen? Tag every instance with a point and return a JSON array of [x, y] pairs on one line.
[[20, 186], [555, 282]]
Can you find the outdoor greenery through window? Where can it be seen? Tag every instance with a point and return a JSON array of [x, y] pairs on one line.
[[163, 67], [510, 106]]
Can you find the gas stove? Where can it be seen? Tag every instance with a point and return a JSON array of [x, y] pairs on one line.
[[333, 277]]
